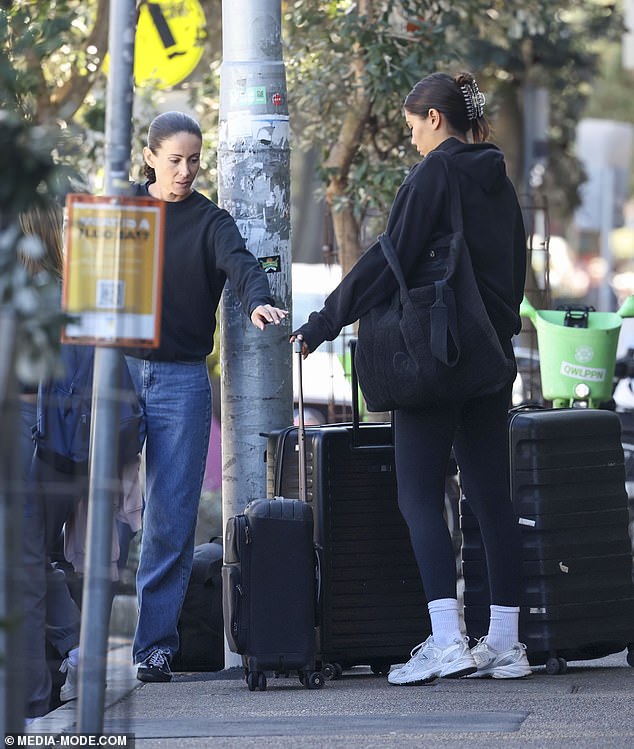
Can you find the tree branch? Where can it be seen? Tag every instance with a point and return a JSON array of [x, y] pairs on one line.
[[66, 100]]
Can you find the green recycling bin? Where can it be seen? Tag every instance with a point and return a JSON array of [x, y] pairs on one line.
[[577, 352]]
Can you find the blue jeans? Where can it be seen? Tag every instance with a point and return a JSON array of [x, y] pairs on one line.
[[176, 398]]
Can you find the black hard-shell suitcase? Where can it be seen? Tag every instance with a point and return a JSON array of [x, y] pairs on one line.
[[372, 607], [627, 439], [568, 490], [270, 581], [200, 625]]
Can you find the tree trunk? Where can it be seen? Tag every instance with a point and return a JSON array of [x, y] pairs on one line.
[[342, 153], [509, 129], [64, 102], [346, 230]]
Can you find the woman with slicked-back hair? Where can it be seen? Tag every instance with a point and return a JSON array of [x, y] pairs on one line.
[[445, 115], [203, 248]]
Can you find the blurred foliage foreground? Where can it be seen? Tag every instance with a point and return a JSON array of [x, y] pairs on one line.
[[28, 176]]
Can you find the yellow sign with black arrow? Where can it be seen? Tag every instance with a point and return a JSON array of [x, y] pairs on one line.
[[169, 42]]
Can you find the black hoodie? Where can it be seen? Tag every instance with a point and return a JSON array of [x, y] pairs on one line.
[[493, 228], [202, 249]]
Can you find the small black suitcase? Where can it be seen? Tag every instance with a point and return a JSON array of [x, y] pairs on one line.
[[200, 625], [270, 583], [568, 489], [372, 608]]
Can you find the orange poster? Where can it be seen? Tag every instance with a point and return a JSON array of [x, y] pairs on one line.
[[113, 270]]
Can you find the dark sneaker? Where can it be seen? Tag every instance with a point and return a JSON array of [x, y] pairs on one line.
[[155, 667]]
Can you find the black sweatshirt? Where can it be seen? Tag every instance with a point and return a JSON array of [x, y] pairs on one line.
[[203, 248], [420, 215]]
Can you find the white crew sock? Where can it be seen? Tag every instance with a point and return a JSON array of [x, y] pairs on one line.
[[73, 656], [503, 627], [445, 623]]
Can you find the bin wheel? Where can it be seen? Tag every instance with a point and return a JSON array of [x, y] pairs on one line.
[[315, 680], [380, 669], [252, 681], [563, 665], [556, 665], [261, 681], [630, 654], [331, 671]]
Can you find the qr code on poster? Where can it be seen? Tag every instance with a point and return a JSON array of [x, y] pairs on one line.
[[110, 294]]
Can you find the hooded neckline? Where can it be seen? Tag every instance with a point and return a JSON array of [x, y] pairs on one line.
[[481, 162]]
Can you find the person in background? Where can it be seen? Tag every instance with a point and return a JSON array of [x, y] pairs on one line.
[[203, 248], [445, 113], [50, 612]]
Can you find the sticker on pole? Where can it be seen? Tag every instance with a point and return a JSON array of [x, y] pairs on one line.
[[113, 270]]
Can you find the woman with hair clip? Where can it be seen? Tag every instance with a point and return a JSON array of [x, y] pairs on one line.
[[446, 114]]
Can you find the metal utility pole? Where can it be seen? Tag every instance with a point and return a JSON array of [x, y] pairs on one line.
[[254, 186], [536, 119], [11, 510], [104, 486]]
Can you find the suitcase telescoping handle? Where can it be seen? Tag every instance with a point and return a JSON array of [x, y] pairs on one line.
[[357, 442], [301, 428]]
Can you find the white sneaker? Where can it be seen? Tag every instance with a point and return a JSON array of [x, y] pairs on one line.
[[428, 662], [69, 689], [510, 664]]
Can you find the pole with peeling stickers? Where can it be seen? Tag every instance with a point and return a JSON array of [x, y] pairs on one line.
[[254, 186]]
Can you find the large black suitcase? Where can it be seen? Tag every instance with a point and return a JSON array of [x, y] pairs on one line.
[[372, 608], [568, 489], [270, 581]]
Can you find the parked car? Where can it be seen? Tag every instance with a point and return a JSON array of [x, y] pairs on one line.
[[327, 389]]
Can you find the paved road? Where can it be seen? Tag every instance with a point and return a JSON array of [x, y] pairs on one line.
[[589, 707]]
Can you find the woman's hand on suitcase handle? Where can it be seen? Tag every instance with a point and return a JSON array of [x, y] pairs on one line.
[[300, 345]]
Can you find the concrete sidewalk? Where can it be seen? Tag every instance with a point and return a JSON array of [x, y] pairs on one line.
[[589, 707]]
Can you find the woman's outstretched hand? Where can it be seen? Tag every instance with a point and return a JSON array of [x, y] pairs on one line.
[[265, 314]]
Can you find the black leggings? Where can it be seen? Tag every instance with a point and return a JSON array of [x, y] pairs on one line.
[[478, 431]]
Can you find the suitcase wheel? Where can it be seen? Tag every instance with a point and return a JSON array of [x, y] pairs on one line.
[[555, 665], [332, 671], [380, 669], [256, 680], [312, 679]]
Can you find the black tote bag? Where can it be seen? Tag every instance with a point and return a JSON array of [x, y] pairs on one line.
[[434, 342]]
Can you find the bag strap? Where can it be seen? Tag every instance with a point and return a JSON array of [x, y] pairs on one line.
[[455, 205], [444, 323], [455, 201], [392, 261], [443, 318]]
